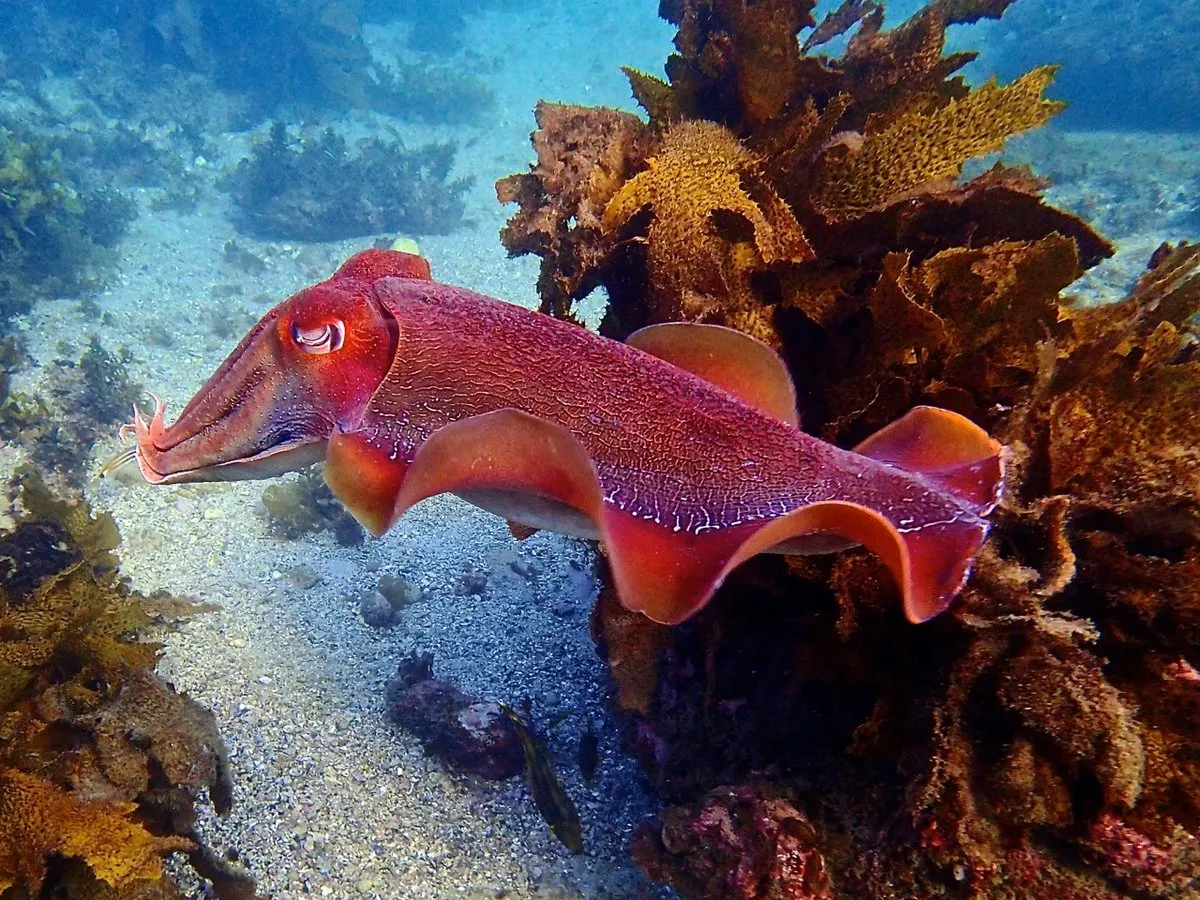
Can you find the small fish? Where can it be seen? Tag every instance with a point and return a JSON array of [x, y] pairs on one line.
[[548, 794], [589, 754]]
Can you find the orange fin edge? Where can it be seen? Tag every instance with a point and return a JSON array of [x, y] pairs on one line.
[[945, 449], [364, 479], [730, 359]]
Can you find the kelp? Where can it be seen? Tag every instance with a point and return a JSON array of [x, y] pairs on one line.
[[56, 231], [101, 761], [79, 401], [1039, 739], [314, 187]]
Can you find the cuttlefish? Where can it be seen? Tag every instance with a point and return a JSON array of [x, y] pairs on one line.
[[680, 449]]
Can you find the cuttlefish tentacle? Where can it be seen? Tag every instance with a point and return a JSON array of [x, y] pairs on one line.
[[680, 453]]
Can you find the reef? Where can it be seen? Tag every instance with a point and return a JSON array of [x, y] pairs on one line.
[[1038, 740], [435, 26], [102, 762], [55, 232], [314, 188], [139, 60]]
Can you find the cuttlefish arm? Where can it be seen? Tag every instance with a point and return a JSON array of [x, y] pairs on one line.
[[681, 453]]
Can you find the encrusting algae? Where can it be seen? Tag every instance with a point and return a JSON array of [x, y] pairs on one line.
[[1040, 739], [101, 761]]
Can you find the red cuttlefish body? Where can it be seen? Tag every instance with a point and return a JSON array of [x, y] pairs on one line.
[[680, 449]]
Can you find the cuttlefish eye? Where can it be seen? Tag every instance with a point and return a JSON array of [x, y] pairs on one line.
[[320, 339]]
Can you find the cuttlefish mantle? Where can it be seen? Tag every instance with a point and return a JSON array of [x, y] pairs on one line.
[[680, 450]]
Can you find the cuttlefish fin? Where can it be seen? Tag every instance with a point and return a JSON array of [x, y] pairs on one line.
[[929, 560], [537, 473], [947, 450], [527, 468], [732, 360], [670, 574], [522, 467], [365, 478]]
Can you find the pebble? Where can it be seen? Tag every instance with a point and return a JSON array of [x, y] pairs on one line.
[[213, 512], [238, 643], [375, 609], [302, 577]]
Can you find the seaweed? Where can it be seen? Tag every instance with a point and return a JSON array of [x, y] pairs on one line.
[[55, 234], [436, 94], [79, 403], [101, 761], [314, 188], [305, 506], [1038, 740]]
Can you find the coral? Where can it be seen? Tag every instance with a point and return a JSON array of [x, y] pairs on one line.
[[1038, 741], [54, 233], [101, 761], [315, 189], [306, 505]]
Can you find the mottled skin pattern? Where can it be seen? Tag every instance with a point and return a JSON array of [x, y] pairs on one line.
[[410, 388], [666, 445]]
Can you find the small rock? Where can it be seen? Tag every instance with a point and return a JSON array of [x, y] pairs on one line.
[[564, 609], [400, 592], [375, 609], [301, 577], [238, 643], [213, 512], [471, 584], [526, 568]]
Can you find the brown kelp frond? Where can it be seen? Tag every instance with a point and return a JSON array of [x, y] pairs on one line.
[[101, 761], [39, 820], [1039, 741], [584, 157], [925, 151], [699, 189], [809, 159]]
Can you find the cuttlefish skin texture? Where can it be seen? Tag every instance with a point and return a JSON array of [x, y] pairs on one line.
[[409, 388]]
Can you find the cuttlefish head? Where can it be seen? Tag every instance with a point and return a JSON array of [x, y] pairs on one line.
[[306, 370]]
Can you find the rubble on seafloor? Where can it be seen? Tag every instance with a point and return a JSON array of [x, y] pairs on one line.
[[1038, 740]]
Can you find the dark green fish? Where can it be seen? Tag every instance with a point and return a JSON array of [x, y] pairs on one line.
[[548, 794]]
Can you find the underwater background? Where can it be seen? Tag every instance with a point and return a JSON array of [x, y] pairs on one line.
[[242, 694]]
